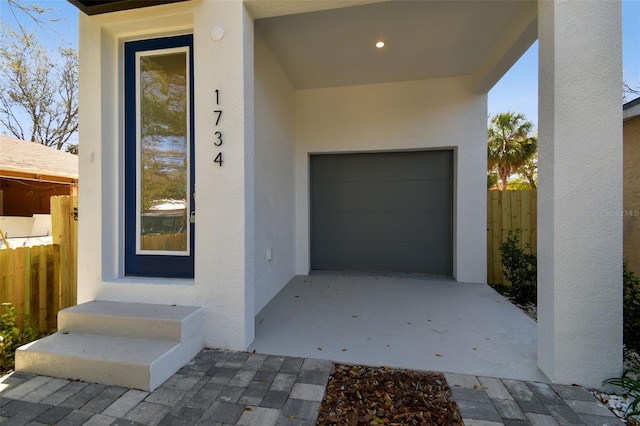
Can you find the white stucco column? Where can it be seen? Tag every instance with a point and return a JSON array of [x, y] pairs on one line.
[[580, 191], [224, 263]]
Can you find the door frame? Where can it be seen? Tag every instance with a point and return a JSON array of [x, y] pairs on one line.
[[147, 264]]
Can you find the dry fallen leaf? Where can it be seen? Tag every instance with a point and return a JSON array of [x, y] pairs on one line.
[[358, 395]]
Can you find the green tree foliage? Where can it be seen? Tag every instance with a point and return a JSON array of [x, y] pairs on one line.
[[38, 88], [510, 146], [519, 183]]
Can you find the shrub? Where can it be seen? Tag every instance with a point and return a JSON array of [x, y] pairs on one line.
[[631, 386], [631, 309], [12, 337], [519, 266]]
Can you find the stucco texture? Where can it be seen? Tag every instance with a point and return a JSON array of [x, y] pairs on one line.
[[274, 176], [405, 116], [631, 214]]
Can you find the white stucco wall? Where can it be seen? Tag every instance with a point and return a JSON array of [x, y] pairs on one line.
[[580, 192], [429, 114], [225, 201], [274, 175]]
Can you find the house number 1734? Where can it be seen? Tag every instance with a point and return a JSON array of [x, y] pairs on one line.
[[217, 115]]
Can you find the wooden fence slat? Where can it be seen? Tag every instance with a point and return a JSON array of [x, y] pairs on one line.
[[42, 288], [489, 239], [19, 283], [496, 201], [516, 203], [6, 275], [32, 286], [525, 213], [534, 221], [57, 286], [509, 210]]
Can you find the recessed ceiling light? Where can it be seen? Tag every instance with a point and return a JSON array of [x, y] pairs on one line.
[[380, 44]]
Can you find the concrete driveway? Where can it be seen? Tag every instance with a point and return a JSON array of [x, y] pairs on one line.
[[423, 324]]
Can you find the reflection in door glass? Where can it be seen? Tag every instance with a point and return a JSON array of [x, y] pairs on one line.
[[163, 140]]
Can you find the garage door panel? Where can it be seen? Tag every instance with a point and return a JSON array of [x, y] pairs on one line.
[[360, 256], [415, 226], [381, 166], [383, 195], [382, 212]]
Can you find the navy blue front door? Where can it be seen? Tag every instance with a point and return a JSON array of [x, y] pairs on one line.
[[159, 157]]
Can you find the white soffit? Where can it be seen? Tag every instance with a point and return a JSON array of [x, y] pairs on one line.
[[423, 39]]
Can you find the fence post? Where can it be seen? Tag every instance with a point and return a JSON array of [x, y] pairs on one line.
[[64, 225]]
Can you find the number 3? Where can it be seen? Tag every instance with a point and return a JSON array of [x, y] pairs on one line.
[[219, 141]]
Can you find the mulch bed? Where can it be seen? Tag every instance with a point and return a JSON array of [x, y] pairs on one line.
[[358, 395]]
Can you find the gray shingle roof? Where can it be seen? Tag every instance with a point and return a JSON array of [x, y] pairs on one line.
[[28, 157], [631, 109]]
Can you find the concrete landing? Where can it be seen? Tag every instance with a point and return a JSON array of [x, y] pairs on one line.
[[114, 343], [405, 322]]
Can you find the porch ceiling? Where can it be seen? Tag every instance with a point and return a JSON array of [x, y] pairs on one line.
[[423, 40]]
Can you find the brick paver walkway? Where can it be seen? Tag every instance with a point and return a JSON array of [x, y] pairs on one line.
[[238, 388], [485, 401], [215, 388]]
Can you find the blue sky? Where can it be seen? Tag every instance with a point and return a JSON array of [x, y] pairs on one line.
[[516, 91]]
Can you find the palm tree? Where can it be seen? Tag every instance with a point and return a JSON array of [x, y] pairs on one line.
[[509, 145]]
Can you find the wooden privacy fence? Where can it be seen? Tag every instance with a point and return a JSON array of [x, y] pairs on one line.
[[41, 280], [30, 281], [509, 210], [177, 241]]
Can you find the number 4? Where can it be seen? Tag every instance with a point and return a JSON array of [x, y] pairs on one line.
[[218, 159]]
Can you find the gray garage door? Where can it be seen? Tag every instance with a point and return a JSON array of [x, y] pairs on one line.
[[388, 212]]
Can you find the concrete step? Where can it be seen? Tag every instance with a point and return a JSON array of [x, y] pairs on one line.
[[132, 363], [136, 320], [135, 345]]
